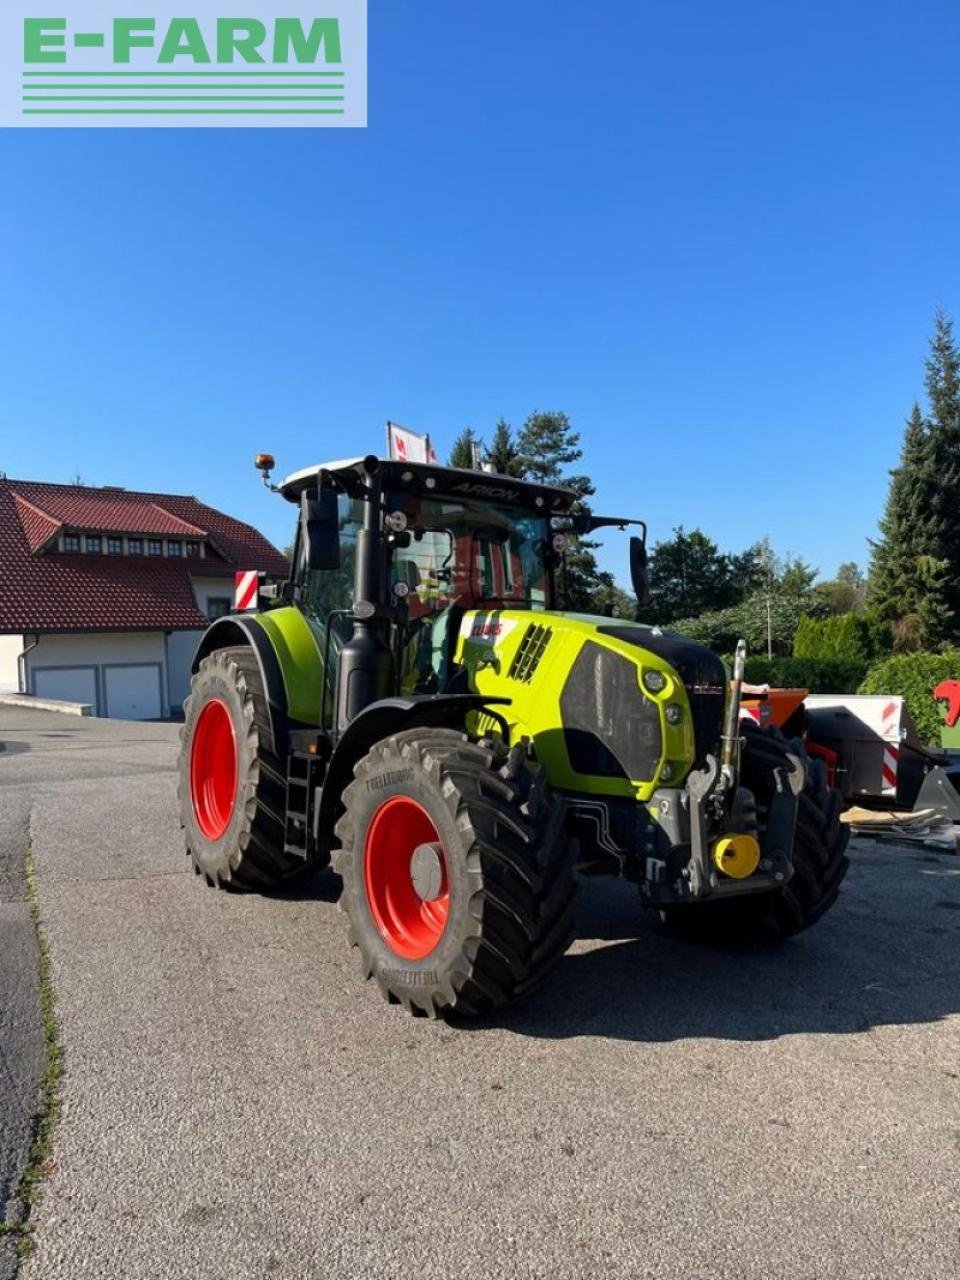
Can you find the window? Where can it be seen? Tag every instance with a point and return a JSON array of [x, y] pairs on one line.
[[328, 589], [471, 554], [193, 550], [71, 542], [174, 548], [154, 547], [94, 543], [218, 606], [135, 546], [114, 546]]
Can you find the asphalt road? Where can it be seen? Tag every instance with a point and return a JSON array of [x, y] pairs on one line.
[[21, 1038], [238, 1103]]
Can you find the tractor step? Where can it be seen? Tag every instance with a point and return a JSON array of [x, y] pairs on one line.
[[304, 771]]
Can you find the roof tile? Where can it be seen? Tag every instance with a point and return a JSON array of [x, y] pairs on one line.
[[54, 591]]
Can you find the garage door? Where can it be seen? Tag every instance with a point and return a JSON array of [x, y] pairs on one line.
[[69, 684], [132, 693]]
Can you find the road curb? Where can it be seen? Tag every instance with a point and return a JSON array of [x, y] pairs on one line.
[[45, 704]]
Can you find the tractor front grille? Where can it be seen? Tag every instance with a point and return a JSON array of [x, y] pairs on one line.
[[701, 672], [610, 728]]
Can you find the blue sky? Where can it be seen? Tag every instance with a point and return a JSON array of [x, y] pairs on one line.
[[714, 234]]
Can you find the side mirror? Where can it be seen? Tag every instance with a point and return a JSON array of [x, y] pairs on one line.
[[319, 529], [638, 570]]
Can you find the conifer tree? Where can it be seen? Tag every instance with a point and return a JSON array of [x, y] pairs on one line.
[[914, 578], [905, 528], [547, 445], [464, 449], [943, 532], [504, 456]]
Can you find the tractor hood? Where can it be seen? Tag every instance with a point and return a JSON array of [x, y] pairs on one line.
[[613, 708]]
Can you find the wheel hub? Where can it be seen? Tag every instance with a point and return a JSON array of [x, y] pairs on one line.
[[426, 871]]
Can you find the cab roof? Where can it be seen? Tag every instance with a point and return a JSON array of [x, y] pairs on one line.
[[449, 482]]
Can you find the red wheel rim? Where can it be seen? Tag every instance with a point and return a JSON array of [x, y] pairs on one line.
[[411, 926], [213, 769]]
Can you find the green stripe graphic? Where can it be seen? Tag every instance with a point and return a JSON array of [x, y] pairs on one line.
[[114, 89], [189, 97], [182, 111], [184, 73]]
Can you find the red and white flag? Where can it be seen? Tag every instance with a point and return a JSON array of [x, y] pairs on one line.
[[409, 446], [246, 584]]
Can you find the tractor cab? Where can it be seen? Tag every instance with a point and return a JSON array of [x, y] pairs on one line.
[[396, 555]]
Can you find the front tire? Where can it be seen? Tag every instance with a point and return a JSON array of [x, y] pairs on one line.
[[232, 788], [458, 881], [819, 857]]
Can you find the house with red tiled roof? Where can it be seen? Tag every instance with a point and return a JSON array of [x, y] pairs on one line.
[[104, 593]]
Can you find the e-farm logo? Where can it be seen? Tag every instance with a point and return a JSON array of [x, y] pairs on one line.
[[106, 62]]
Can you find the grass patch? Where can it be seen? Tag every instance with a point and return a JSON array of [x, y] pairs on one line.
[[39, 1160]]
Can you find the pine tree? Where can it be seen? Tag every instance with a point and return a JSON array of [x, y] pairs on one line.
[[906, 526], [936, 617], [943, 532], [504, 456], [913, 578], [465, 448], [547, 445]]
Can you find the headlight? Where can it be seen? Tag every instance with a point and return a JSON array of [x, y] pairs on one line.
[[654, 681], [396, 521], [666, 773], [674, 713]]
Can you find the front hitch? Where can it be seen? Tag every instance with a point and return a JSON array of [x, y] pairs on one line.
[[775, 865], [701, 784]]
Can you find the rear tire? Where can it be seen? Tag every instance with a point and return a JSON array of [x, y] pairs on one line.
[[232, 788], [819, 857], [432, 813]]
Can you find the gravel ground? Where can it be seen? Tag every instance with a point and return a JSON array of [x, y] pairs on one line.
[[238, 1103]]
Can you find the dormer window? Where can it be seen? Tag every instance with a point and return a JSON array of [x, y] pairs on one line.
[[94, 544], [135, 546], [154, 546], [174, 548], [193, 550], [71, 542], [114, 546]]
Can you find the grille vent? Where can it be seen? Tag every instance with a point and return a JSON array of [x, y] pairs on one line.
[[527, 658]]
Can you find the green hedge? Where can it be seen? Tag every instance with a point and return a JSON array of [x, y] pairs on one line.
[[816, 675], [863, 637], [913, 676]]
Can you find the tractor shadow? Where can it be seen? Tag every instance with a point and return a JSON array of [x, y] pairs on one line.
[[887, 954], [314, 885]]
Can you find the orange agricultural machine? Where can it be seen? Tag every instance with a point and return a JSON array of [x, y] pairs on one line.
[[868, 743]]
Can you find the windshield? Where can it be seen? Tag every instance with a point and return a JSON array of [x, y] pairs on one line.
[[470, 554]]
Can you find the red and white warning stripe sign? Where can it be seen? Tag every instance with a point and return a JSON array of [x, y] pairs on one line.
[[246, 583], [890, 732]]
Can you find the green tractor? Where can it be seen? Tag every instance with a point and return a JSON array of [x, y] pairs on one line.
[[414, 706]]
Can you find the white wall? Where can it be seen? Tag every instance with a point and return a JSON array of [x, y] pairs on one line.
[[94, 649], [10, 648], [181, 646], [204, 588]]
